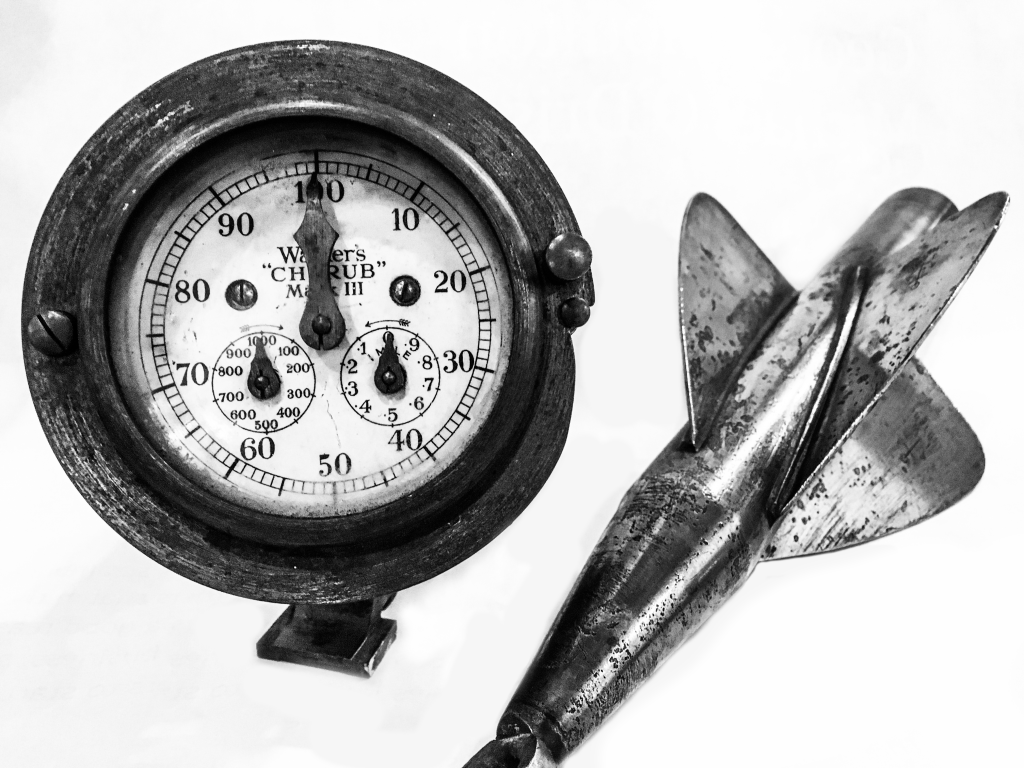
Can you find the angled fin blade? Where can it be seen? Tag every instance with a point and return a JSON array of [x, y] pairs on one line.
[[901, 218], [911, 457], [729, 296], [907, 293]]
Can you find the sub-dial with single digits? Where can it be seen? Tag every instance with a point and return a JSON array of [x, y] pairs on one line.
[[263, 382], [390, 376]]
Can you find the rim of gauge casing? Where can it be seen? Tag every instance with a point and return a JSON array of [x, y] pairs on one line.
[[161, 512]]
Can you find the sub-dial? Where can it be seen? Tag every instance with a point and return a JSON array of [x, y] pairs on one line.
[[263, 382], [390, 376]]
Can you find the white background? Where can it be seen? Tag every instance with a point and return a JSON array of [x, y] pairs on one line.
[[800, 118]]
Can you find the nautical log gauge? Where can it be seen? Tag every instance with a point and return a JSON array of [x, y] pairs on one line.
[[297, 325], [812, 428]]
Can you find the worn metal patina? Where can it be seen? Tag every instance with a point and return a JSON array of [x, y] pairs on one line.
[[125, 446], [811, 428]]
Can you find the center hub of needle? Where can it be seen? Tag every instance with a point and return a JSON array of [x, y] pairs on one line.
[[322, 325]]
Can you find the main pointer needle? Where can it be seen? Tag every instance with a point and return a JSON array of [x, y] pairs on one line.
[[321, 326]]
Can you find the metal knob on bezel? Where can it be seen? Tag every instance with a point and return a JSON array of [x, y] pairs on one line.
[[569, 256]]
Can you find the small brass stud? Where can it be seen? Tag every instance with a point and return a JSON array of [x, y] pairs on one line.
[[574, 312], [569, 256]]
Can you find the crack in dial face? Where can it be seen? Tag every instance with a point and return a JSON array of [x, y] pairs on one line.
[[207, 307]]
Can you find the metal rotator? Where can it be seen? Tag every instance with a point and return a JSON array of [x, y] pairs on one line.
[[812, 428]]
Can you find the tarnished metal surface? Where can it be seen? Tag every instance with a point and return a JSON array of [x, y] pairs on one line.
[[911, 457], [520, 751], [694, 526], [729, 292], [691, 530], [908, 293], [164, 132]]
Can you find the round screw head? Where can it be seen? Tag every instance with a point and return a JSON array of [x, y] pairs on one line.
[[405, 290], [569, 256], [574, 312], [52, 332], [241, 295], [322, 325]]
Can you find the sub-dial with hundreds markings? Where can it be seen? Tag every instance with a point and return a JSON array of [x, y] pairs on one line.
[[263, 382], [391, 376]]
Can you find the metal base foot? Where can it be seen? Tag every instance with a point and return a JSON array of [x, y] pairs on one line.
[[344, 637]]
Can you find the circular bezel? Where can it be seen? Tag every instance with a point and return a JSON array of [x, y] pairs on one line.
[[128, 482]]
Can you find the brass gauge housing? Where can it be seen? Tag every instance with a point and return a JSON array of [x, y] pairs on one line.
[[297, 325]]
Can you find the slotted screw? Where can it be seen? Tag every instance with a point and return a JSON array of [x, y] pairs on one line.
[[52, 332]]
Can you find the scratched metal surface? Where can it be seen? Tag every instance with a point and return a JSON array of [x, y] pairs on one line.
[[688, 533], [907, 295], [911, 457], [918, 250], [729, 294], [691, 530]]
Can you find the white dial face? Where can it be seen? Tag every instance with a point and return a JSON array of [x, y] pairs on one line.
[[207, 310]]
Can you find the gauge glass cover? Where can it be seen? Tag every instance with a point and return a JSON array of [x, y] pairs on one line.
[[209, 280]]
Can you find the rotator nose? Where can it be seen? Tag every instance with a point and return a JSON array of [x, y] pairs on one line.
[[522, 751]]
